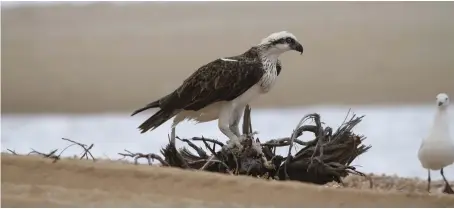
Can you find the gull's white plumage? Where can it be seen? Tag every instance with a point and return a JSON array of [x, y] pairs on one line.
[[437, 149]]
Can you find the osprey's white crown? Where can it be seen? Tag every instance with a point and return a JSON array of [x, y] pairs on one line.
[[442, 100], [277, 36], [280, 42]]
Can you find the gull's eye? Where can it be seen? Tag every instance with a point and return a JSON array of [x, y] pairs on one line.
[[289, 40]]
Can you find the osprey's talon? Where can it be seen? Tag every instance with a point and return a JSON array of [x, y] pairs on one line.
[[232, 143], [267, 163], [238, 144]]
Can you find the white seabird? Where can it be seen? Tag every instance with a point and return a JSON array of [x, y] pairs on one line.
[[437, 149]]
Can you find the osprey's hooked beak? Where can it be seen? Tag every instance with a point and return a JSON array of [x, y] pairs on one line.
[[297, 47], [440, 103]]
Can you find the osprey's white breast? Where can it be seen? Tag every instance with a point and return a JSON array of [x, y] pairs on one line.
[[269, 77]]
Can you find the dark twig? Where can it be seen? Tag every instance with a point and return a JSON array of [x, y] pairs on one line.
[[50, 155], [207, 140], [172, 139], [212, 160], [247, 123], [320, 136], [213, 153], [285, 142], [149, 157], [199, 150], [207, 162], [292, 139], [12, 151], [84, 146]]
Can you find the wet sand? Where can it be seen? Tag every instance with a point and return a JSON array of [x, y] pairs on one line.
[[34, 181], [101, 57]]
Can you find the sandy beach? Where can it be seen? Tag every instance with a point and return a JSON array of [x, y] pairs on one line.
[[104, 57], [35, 181]]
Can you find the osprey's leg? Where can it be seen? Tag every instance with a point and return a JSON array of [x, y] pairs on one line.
[[234, 126], [224, 122], [235, 129], [175, 122], [173, 135], [428, 180]]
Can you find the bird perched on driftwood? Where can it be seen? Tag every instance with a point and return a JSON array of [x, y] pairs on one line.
[[437, 149], [222, 88]]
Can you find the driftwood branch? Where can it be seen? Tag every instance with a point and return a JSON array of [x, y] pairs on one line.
[[291, 143], [324, 159], [84, 147], [247, 122], [214, 141], [199, 150], [12, 152], [150, 157], [282, 142], [50, 155]]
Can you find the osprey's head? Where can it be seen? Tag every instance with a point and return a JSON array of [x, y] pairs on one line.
[[280, 42], [442, 100]]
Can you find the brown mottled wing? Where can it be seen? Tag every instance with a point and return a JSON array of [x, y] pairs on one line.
[[216, 81]]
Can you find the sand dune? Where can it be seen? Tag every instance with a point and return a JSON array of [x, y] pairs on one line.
[[101, 57], [34, 181]]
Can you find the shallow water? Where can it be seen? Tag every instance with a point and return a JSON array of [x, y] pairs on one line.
[[394, 133]]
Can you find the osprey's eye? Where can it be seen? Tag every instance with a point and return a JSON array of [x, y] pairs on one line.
[[289, 40]]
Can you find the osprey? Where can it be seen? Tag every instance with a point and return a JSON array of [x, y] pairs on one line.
[[222, 88]]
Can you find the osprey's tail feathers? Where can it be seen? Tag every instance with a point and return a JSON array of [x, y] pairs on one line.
[[148, 106], [157, 119]]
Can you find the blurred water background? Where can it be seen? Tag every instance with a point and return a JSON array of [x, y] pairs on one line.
[[78, 70], [394, 132]]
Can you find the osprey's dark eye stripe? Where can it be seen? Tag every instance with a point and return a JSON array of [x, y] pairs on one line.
[[280, 41], [287, 40]]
